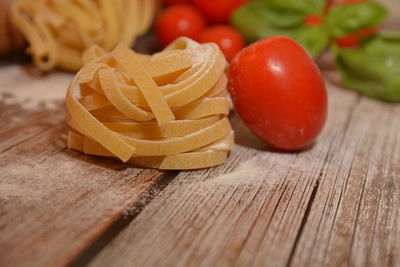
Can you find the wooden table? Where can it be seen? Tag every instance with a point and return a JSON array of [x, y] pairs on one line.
[[335, 204]]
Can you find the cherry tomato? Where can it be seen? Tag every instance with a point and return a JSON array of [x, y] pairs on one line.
[[218, 11], [173, 2], [279, 93], [179, 20], [313, 20], [227, 38]]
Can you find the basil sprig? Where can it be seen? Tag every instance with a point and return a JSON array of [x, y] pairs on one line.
[[374, 68], [346, 19], [264, 18]]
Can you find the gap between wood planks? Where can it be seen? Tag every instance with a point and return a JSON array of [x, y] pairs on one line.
[[317, 182], [22, 136], [86, 256], [123, 219]]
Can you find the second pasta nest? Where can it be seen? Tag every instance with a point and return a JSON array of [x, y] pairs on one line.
[[165, 111], [58, 31]]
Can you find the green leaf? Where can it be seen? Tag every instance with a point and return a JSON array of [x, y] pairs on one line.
[[287, 13], [349, 18], [264, 18], [313, 38], [373, 70], [254, 25], [281, 18], [304, 7]]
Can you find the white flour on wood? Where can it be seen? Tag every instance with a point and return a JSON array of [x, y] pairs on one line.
[[249, 172], [30, 182], [19, 87]]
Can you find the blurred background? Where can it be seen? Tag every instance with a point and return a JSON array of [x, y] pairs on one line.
[[343, 36]]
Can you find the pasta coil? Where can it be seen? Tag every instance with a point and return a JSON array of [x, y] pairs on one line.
[[58, 31], [166, 111]]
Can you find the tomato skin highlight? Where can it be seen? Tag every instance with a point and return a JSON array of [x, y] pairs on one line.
[[229, 40], [279, 93], [218, 11], [177, 21]]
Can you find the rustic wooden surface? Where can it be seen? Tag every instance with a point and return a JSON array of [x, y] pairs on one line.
[[53, 201], [335, 204]]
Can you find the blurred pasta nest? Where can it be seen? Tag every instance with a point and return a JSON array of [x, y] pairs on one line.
[[58, 31], [165, 111]]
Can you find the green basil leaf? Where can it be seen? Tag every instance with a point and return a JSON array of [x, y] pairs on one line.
[[287, 13], [313, 38], [282, 18], [374, 69], [253, 24], [304, 7], [389, 35], [264, 18], [349, 18]]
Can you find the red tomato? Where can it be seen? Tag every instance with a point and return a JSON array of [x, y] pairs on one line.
[[173, 2], [279, 93], [227, 38], [313, 20], [179, 20], [218, 11]]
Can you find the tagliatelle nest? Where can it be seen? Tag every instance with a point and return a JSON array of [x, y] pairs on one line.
[[58, 31], [166, 111]]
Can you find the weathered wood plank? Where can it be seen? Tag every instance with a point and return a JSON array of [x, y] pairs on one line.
[[54, 202], [259, 214], [354, 218], [23, 110]]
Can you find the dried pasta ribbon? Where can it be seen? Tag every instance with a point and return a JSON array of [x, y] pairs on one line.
[[139, 72], [119, 105], [58, 31], [95, 129], [118, 99], [92, 53], [184, 161], [151, 130]]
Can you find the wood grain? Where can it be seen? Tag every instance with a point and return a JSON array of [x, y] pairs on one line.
[[55, 202], [335, 204], [354, 219]]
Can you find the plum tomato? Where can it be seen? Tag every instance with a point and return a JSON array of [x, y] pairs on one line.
[[278, 92], [218, 11], [177, 21], [229, 40]]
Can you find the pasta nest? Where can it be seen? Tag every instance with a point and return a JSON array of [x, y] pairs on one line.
[[165, 111], [58, 31]]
